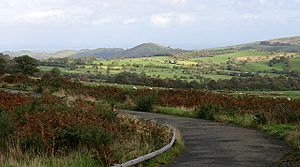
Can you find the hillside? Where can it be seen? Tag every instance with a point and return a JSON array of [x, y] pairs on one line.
[[290, 40], [36, 55], [142, 50], [63, 53], [289, 44], [100, 52], [149, 49]]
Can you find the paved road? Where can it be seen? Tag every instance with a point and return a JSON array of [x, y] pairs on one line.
[[211, 144]]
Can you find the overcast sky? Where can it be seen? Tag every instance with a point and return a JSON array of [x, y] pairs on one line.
[[188, 24]]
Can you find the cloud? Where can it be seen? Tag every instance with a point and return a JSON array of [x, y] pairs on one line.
[[162, 13], [184, 18], [104, 20], [129, 21], [161, 19], [45, 14], [165, 19], [174, 2]]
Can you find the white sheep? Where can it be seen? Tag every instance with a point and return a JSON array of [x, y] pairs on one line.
[[135, 88]]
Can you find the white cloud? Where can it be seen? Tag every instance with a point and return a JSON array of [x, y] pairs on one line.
[[174, 2], [104, 20], [185, 18], [143, 12], [161, 19], [129, 21], [45, 14], [165, 19]]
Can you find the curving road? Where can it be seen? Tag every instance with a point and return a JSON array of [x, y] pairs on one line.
[[211, 144]]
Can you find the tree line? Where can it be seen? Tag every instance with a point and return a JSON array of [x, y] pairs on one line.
[[23, 64], [256, 82]]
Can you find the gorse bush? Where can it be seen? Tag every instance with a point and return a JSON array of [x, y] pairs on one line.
[[145, 103], [207, 111]]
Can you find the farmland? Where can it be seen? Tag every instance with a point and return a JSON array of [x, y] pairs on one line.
[[173, 67], [218, 65]]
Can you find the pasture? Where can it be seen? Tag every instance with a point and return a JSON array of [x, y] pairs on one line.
[[179, 67]]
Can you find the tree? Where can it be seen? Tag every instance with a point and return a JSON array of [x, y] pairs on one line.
[[288, 66], [55, 72], [26, 65], [4, 63]]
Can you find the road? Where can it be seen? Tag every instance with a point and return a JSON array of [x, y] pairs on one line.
[[211, 144]]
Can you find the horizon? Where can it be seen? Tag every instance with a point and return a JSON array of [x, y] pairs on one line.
[[68, 49], [51, 26]]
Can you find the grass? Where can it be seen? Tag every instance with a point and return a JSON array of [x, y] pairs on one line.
[[76, 159], [175, 111], [218, 59], [168, 156], [257, 66], [279, 94], [296, 64], [281, 130]]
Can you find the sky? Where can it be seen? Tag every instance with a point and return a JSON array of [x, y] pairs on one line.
[[49, 25]]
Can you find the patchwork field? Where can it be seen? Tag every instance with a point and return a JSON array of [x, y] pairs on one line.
[[215, 67]]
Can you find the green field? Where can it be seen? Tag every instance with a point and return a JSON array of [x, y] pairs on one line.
[[167, 67], [296, 64], [224, 58]]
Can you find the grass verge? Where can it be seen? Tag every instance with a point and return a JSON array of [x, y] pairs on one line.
[[168, 156]]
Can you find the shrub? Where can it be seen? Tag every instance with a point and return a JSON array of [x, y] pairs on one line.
[[281, 113], [106, 111], [145, 103], [32, 144], [207, 111], [260, 118], [5, 129]]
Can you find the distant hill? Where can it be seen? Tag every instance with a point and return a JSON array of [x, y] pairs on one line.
[[289, 40], [143, 50], [37, 55], [100, 53], [149, 49], [62, 54], [290, 44]]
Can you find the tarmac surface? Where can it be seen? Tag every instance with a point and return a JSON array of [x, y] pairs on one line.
[[211, 144]]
